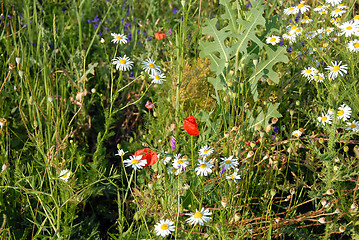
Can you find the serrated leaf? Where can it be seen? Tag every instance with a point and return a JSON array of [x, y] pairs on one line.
[[265, 68], [263, 117]]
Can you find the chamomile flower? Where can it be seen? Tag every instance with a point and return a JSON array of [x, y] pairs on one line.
[[273, 40], [204, 168], [290, 37], [353, 126], [199, 217], [235, 176], [135, 162], [323, 12], [120, 153], [119, 38], [65, 174], [333, 2], [158, 77], [353, 45], [320, 8], [306, 19], [325, 119], [297, 31], [150, 66], [319, 77], [349, 28], [331, 112], [205, 151], [166, 159], [291, 10], [344, 112], [297, 133], [164, 228], [302, 7], [173, 170], [329, 30], [122, 63], [311, 34], [337, 12], [309, 72], [180, 163], [229, 163], [356, 18], [336, 69]]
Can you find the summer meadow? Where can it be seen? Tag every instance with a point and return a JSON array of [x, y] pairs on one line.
[[187, 119]]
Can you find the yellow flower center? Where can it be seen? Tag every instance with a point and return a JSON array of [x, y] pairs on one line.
[[290, 9], [179, 161], [228, 162], [174, 170], [356, 17], [306, 17], [294, 27], [151, 65], [356, 45], [198, 215], [119, 37], [300, 5], [353, 125], [135, 162], [320, 6], [157, 77], [205, 151], [232, 177], [340, 112], [272, 40], [336, 68], [64, 176], [320, 78], [289, 35], [296, 134], [322, 12], [203, 166], [297, 30], [324, 119], [349, 28], [122, 61], [337, 10], [164, 227], [308, 71]]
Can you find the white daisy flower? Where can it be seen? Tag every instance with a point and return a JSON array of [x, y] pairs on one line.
[[172, 170], [336, 69], [356, 18], [320, 8], [291, 10], [297, 31], [204, 168], [158, 77], [349, 28], [331, 112], [164, 228], [235, 176], [119, 38], [122, 63], [205, 151], [180, 163], [311, 34], [135, 162], [325, 119], [344, 112], [120, 153], [199, 217], [229, 163], [337, 12], [333, 2], [273, 40], [65, 174], [290, 37], [150, 67], [329, 30], [323, 12], [302, 7], [306, 19], [353, 45], [297, 133], [319, 77], [353, 126], [342, 6], [166, 159], [309, 72]]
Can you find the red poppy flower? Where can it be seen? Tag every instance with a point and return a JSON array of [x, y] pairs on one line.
[[190, 125], [160, 35], [147, 154], [149, 105]]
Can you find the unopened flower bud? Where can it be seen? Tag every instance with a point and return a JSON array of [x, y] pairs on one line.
[[255, 61], [257, 127], [224, 202], [321, 140], [5, 166], [18, 60], [274, 120], [322, 220], [226, 134], [93, 90], [21, 73], [292, 191], [346, 148], [2, 122], [330, 191], [342, 229], [273, 192], [268, 128], [237, 217], [354, 206], [250, 154]]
